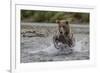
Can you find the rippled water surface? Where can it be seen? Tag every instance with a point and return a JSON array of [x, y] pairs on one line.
[[37, 45]]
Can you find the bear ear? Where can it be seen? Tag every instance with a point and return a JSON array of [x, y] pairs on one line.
[[57, 21], [67, 22]]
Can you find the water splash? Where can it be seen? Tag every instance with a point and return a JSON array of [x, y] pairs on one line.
[[79, 47]]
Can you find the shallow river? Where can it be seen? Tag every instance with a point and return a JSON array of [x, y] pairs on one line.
[[37, 45]]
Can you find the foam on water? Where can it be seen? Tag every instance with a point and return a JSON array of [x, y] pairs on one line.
[[80, 45], [52, 50], [49, 50]]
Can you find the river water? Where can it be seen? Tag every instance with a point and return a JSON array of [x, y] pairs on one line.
[[37, 44]]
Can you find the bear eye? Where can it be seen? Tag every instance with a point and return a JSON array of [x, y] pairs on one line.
[[63, 26]]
